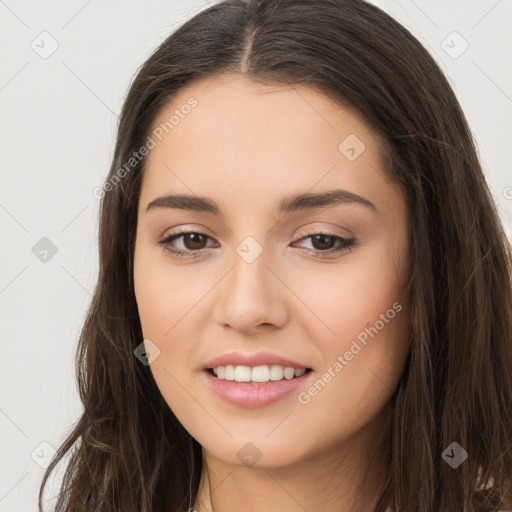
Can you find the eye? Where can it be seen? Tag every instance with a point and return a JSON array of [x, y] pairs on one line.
[[194, 243], [328, 243]]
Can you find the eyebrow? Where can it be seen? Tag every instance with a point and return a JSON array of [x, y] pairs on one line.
[[286, 205]]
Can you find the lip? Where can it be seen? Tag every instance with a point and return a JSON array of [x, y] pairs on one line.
[[250, 395], [256, 359]]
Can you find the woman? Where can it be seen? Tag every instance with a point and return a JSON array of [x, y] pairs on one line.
[[304, 298]]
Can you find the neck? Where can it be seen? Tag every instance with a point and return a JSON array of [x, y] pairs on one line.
[[344, 478]]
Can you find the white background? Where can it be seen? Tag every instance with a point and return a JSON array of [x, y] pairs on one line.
[[57, 124]]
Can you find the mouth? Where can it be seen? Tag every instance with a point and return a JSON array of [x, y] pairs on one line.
[[256, 375], [252, 387]]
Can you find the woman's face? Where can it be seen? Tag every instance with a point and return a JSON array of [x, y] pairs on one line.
[[259, 280]]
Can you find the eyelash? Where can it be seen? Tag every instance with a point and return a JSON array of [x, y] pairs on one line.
[[346, 244]]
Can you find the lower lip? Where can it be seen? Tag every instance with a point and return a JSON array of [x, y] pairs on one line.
[[245, 394]]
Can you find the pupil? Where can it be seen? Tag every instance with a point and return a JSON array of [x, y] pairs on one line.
[[190, 237], [324, 237]]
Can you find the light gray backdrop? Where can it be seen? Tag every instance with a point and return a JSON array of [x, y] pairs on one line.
[[65, 67]]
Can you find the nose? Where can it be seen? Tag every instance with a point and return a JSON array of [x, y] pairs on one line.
[[251, 296]]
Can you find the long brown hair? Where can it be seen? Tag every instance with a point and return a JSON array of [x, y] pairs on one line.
[[128, 452]]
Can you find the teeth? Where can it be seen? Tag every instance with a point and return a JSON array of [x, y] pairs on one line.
[[230, 372], [262, 373], [259, 373], [242, 373]]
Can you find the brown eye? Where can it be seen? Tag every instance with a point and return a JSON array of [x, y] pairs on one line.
[[186, 243], [194, 241], [323, 242]]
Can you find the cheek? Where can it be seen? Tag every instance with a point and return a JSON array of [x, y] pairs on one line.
[[165, 294], [168, 301], [163, 313], [350, 298], [362, 361], [363, 336]]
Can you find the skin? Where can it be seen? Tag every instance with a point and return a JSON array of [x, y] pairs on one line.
[[246, 146]]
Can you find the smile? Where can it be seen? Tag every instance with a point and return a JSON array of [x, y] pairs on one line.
[[250, 393], [257, 374]]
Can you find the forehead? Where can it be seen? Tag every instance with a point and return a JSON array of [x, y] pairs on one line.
[[256, 139], [233, 105]]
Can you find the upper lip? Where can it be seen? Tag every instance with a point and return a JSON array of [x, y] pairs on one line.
[[257, 359]]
